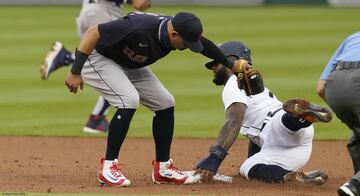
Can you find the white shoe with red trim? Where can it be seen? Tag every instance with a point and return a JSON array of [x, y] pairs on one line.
[[167, 173], [109, 174]]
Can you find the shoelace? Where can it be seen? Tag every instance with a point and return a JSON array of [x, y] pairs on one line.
[[173, 168], [115, 170]]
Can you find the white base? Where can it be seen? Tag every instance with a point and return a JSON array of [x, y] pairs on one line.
[[216, 177]]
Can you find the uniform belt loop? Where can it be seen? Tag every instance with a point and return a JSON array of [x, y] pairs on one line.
[[94, 1], [346, 65]]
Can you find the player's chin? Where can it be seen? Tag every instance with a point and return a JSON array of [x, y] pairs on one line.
[[218, 81]]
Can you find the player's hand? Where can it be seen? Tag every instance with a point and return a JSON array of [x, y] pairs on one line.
[[240, 66], [141, 5], [206, 175], [73, 82]]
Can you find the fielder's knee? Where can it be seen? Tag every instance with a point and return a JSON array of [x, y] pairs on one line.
[[244, 170], [126, 102], [167, 102], [161, 103]]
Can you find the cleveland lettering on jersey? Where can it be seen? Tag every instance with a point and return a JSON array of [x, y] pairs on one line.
[[135, 57], [117, 40]]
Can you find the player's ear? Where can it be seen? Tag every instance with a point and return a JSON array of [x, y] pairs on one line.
[[174, 34]]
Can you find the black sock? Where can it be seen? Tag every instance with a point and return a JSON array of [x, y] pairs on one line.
[[268, 173], [163, 129], [118, 129], [294, 123]]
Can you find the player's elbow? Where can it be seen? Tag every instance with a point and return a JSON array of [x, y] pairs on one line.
[[93, 29]]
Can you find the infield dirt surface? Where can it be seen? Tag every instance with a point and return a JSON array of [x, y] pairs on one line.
[[69, 165]]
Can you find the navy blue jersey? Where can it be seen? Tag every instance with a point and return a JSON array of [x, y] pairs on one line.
[[134, 41]]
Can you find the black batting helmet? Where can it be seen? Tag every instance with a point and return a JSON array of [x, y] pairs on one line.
[[233, 48]]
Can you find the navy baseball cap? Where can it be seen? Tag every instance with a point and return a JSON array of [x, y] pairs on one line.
[[233, 48], [190, 29]]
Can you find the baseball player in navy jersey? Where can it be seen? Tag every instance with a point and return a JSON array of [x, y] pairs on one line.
[[113, 58], [92, 12], [339, 86], [280, 134]]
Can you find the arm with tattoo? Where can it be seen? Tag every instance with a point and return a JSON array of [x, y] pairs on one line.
[[230, 130], [234, 116]]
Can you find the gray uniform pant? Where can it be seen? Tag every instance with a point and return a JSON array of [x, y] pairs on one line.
[[342, 93], [100, 11], [125, 88]]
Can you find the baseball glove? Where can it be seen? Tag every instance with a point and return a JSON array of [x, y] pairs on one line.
[[250, 81]]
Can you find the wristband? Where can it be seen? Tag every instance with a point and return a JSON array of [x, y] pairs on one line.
[[210, 163], [218, 152], [80, 59]]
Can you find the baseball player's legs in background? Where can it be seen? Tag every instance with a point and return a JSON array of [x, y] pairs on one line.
[[125, 89], [342, 95], [96, 13], [91, 13]]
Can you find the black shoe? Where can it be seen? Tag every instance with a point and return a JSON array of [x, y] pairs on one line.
[[304, 109], [348, 189]]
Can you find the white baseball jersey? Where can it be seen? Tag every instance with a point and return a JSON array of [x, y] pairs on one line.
[[279, 145]]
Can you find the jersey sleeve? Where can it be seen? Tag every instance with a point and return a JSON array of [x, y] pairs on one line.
[[232, 94], [213, 52], [114, 31], [331, 62]]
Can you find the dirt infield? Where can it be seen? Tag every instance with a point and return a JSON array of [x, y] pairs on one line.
[[69, 165]]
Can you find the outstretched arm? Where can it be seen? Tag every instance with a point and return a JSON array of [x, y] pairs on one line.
[[87, 45], [213, 52], [230, 130], [234, 116]]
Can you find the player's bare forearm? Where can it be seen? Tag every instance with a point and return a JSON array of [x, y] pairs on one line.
[[141, 5], [89, 40], [209, 165], [233, 121]]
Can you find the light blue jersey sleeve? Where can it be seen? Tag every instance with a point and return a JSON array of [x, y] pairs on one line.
[[331, 63]]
